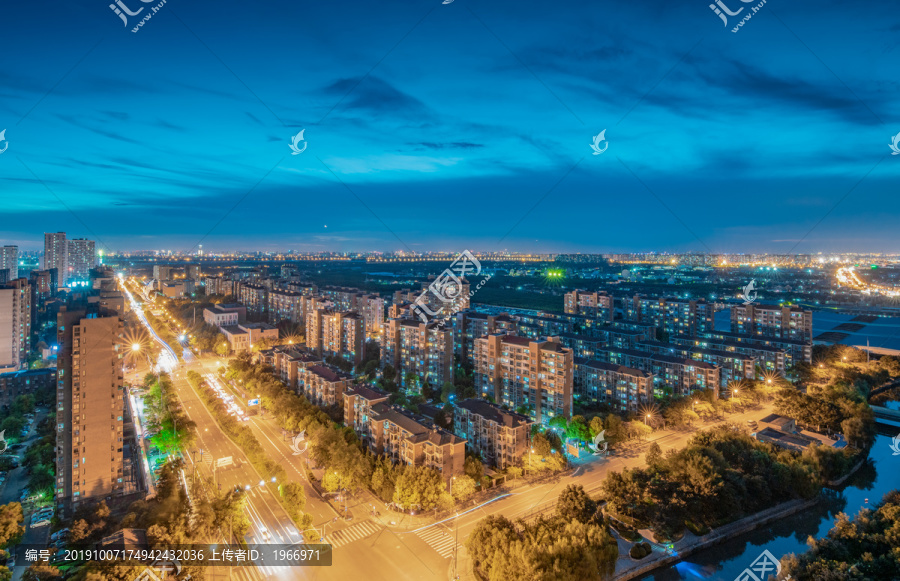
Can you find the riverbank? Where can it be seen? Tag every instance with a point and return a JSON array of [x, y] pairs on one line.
[[627, 568]]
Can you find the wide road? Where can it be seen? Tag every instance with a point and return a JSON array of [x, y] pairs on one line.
[[270, 524]]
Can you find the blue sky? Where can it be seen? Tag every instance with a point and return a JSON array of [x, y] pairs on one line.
[[442, 127]]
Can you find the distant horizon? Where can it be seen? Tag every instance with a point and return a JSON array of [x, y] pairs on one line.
[[295, 251]]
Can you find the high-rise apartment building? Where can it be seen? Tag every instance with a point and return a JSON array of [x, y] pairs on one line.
[[592, 304], [371, 307], [55, 250], [161, 272], [9, 260], [336, 333], [470, 325], [673, 316], [15, 324], [90, 405], [285, 305], [525, 373], [80, 259], [422, 350], [772, 321]]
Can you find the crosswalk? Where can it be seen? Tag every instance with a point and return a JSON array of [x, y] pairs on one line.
[[440, 539], [354, 533]]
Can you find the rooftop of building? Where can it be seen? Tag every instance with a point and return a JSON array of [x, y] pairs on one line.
[[784, 438], [329, 373], [24, 373], [259, 326], [777, 420], [748, 337], [579, 337], [605, 366], [367, 392], [720, 353], [493, 412], [682, 361], [233, 330], [419, 429]]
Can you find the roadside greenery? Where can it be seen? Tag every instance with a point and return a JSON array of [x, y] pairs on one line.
[[171, 425], [346, 462]]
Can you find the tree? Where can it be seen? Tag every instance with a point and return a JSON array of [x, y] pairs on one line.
[[418, 487], [558, 423], [11, 529], [653, 455], [41, 571], [578, 429], [541, 445], [448, 392], [389, 373], [473, 468], [463, 487], [596, 425], [574, 504]]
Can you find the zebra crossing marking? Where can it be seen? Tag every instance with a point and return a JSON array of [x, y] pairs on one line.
[[439, 539], [354, 533]]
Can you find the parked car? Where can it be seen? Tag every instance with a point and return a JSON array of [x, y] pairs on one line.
[[60, 534], [40, 523]]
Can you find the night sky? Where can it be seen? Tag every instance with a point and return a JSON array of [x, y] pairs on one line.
[[444, 127]]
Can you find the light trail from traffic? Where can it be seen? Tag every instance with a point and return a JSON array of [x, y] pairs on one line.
[[847, 276]]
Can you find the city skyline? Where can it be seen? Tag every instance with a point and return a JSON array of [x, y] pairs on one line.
[[443, 127]]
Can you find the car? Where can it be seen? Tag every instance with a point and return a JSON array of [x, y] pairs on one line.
[[60, 534], [40, 523]]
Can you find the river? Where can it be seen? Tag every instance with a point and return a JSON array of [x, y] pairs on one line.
[[726, 561]]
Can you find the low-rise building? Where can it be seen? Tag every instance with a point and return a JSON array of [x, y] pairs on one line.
[[288, 361], [499, 435], [358, 402], [242, 337], [323, 385], [24, 382], [415, 441], [220, 317]]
